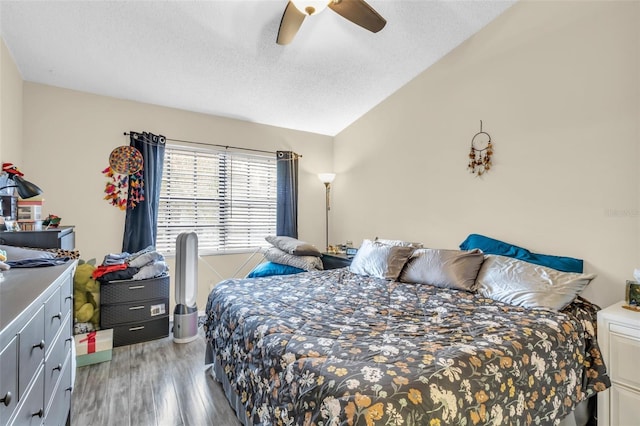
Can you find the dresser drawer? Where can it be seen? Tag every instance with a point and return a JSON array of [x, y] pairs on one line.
[[66, 290], [60, 349], [8, 380], [32, 410], [111, 315], [58, 409], [624, 354], [53, 317], [32, 345], [134, 290], [136, 332]]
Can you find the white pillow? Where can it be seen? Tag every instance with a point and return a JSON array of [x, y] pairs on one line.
[[379, 260]]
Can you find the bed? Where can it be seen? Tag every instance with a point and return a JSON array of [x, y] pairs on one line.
[[343, 347]]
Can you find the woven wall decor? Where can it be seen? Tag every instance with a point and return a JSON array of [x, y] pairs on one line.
[[125, 185], [125, 160], [480, 154]]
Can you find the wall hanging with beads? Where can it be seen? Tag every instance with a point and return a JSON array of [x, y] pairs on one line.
[[125, 185], [480, 154]]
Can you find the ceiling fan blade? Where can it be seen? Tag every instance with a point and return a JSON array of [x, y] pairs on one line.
[[290, 23], [360, 13]]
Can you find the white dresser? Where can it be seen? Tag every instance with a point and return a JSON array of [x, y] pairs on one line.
[[619, 340], [36, 345]]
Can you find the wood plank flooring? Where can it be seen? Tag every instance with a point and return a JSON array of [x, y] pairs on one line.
[[158, 383]]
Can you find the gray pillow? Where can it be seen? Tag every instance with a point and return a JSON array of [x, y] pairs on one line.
[[308, 263], [443, 268], [18, 253], [380, 260], [521, 283], [293, 246]]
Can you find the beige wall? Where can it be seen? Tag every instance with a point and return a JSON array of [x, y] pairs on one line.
[[557, 87], [10, 108], [69, 135], [555, 83]]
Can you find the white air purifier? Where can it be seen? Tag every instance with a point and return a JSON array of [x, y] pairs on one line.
[[185, 314]]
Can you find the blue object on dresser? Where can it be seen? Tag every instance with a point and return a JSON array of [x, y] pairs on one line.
[[493, 246], [267, 269]]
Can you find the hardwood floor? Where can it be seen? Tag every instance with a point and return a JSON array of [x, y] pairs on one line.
[[152, 383]]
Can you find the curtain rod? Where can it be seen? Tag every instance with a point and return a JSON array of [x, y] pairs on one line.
[[218, 145]]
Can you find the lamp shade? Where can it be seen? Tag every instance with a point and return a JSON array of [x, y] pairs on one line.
[[326, 177], [25, 188]]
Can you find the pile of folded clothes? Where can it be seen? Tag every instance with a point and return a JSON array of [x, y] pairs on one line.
[[145, 264]]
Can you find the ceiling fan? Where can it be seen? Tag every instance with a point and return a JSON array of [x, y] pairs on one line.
[[356, 11]]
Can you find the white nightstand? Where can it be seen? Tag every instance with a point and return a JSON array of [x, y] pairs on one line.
[[619, 340]]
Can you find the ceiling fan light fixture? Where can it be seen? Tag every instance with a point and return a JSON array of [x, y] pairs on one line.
[[310, 7]]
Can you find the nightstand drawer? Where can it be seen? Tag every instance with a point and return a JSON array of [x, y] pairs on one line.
[[112, 315], [133, 290], [625, 330], [624, 354], [625, 406]]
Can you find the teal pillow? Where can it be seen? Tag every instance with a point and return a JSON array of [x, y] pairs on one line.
[[493, 246], [267, 269]]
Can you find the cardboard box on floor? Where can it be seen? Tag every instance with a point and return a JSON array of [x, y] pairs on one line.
[[93, 347]]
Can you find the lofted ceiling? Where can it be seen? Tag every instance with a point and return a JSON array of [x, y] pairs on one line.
[[221, 58]]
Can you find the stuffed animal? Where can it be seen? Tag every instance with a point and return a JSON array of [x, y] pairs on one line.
[[86, 294]]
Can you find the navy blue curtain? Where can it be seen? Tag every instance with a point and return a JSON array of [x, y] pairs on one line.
[[287, 194], [140, 224]]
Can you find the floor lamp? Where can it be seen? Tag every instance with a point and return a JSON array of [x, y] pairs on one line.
[[327, 178]]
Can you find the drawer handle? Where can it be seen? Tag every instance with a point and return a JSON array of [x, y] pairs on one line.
[[136, 287], [38, 413], [58, 315], [39, 345], [7, 399], [136, 328], [68, 298], [69, 389], [68, 339], [135, 308], [57, 367]]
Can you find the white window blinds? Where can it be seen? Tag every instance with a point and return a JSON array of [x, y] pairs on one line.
[[227, 198]]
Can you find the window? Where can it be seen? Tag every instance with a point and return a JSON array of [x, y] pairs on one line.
[[227, 198]]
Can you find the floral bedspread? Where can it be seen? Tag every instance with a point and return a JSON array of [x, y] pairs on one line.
[[335, 348]]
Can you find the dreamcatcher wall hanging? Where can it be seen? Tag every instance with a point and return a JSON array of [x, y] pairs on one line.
[[125, 185], [480, 154]]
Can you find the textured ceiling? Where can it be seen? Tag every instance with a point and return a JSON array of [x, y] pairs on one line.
[[220, 57]]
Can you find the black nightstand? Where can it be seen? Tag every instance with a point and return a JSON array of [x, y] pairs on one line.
[[335, 261]]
